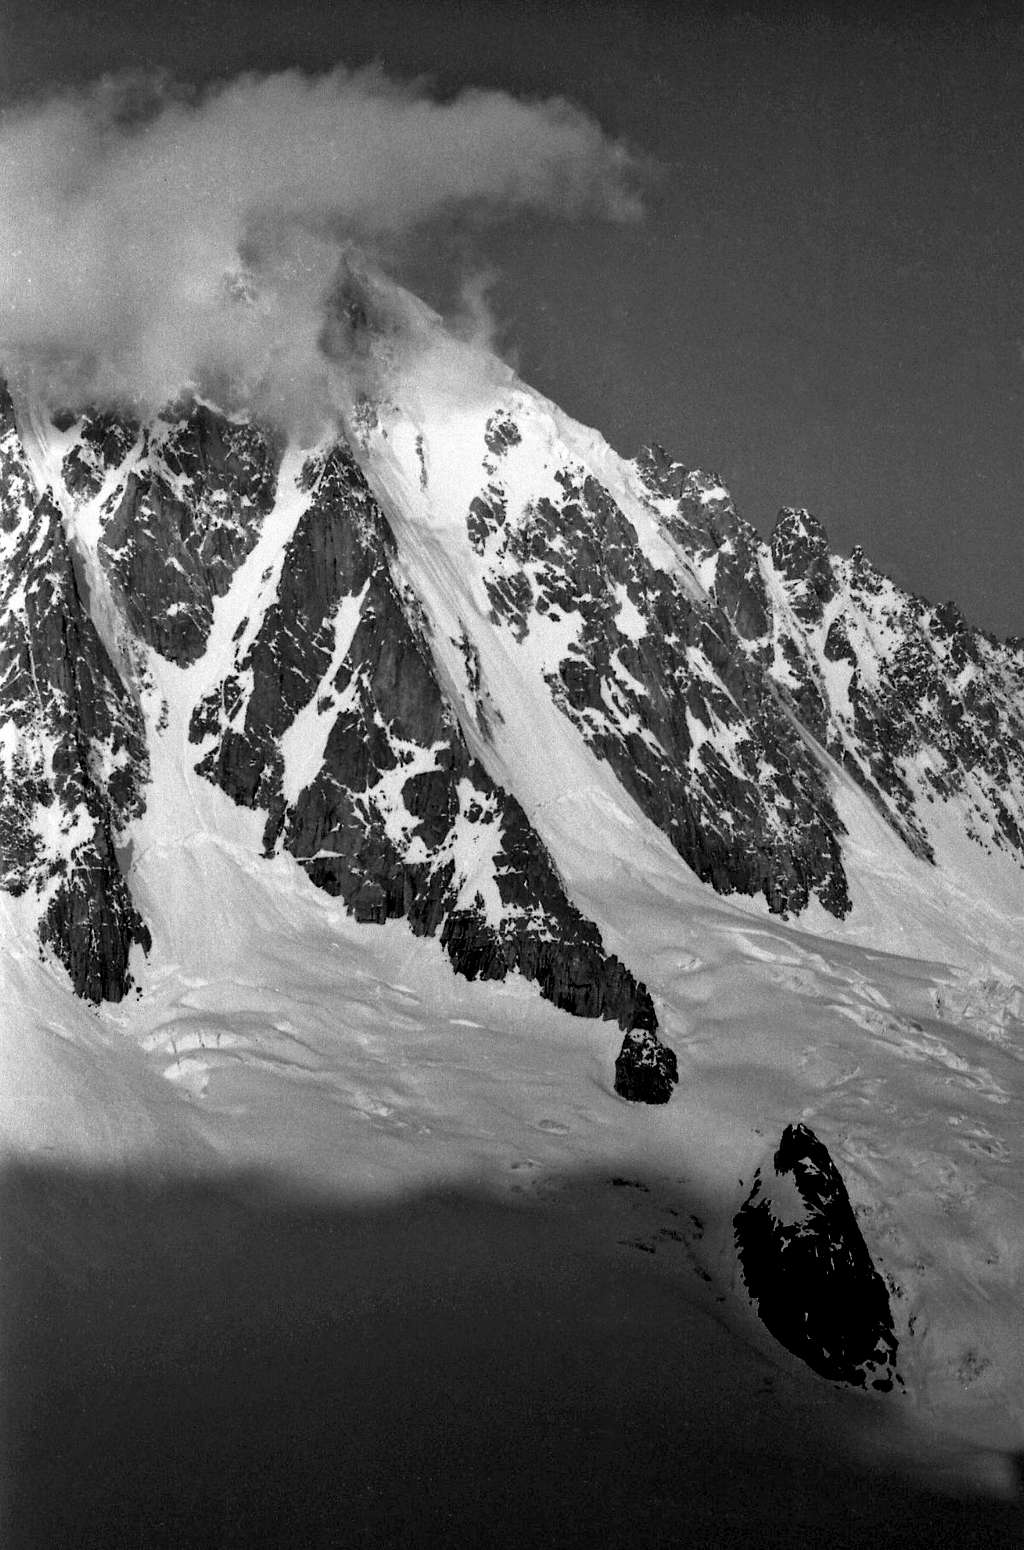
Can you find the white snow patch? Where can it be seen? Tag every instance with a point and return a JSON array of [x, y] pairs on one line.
[[304, 742], [629, 620]]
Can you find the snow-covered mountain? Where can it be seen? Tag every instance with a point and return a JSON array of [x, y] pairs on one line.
[[458, 672]]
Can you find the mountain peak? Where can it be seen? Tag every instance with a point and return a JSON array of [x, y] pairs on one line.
[[797, 540], [468, 785], [469, 573], [667, 477]]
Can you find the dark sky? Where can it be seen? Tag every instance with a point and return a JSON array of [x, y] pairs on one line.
[[825, 302]]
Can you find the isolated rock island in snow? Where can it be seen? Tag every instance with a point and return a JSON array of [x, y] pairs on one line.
[[808, 1269], [645, 1070]]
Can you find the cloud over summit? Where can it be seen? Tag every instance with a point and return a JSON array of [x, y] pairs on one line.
[[152, 239]]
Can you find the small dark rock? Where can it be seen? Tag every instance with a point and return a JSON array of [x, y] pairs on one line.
[[645, 1070]]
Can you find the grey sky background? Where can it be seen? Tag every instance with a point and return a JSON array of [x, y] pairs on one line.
[[824, 302]]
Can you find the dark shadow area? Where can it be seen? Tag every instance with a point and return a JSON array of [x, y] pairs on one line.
[[223, 1364]]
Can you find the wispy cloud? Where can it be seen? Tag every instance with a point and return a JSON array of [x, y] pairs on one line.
[[153, 239]]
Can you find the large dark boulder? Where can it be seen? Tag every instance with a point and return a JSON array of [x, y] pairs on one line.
[[808, 1269], [646, 1070]]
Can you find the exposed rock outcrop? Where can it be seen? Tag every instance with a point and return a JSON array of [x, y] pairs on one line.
[[808, 1269], [182, 519], [917, 706], [334, 722], [72, 753], [657, 685], [645, 1069]]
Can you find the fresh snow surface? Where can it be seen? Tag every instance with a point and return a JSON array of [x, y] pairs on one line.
[[304, 742], [459, 1291]]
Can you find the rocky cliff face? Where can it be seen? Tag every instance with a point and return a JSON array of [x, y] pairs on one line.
[[918, 707], [72, 748], [189, 495], [648, 670], [808, 1269], [331, 719]]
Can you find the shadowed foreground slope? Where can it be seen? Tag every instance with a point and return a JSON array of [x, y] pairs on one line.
[[193, 1363]]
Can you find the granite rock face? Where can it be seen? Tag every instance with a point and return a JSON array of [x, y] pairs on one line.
[[394, 814], [917, 706], [72, 754], [180, 521], [808, 1269], [654, 681]]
